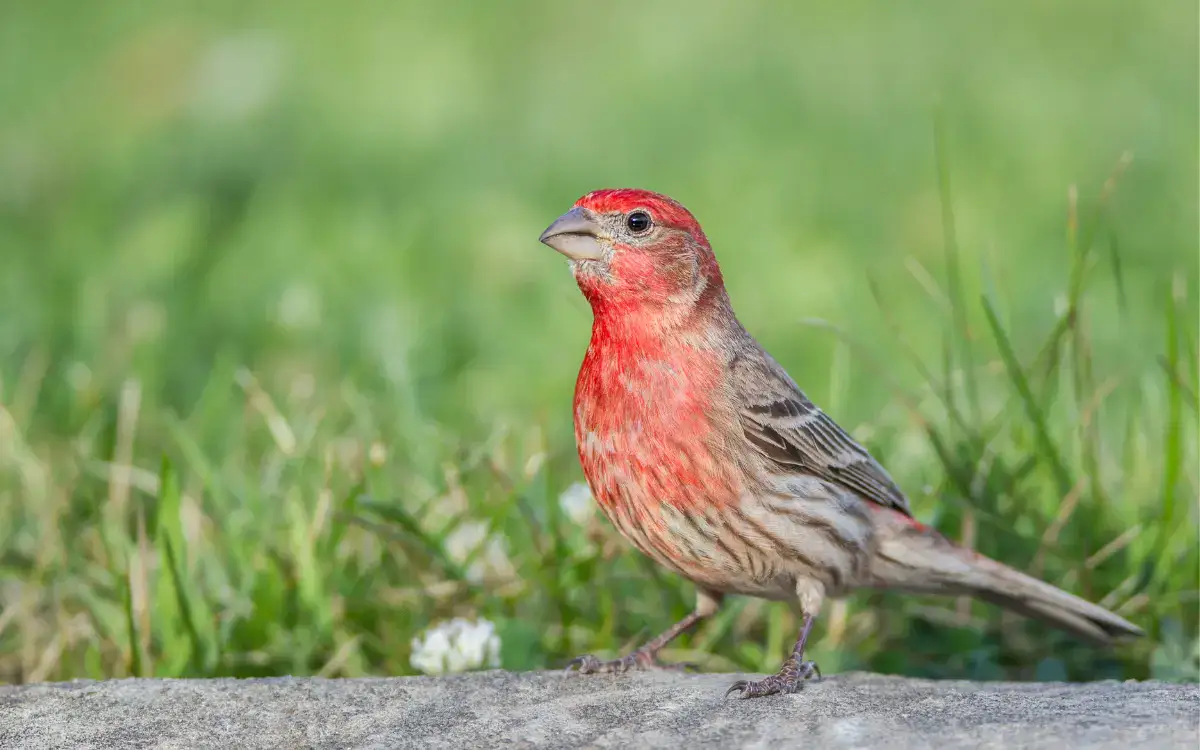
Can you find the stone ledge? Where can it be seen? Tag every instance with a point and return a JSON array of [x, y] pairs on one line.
[[544, 709]]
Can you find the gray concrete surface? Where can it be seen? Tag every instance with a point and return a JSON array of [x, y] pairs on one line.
[[494, 709]]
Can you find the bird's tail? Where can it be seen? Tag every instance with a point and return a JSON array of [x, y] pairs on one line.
[[913, 558]]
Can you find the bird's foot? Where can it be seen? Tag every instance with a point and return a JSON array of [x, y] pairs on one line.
[[638, 661], [789, 679]]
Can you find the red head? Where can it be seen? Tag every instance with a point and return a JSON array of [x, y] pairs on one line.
[[633, 249]]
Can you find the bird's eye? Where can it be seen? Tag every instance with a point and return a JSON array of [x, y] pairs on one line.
[[639, 222]]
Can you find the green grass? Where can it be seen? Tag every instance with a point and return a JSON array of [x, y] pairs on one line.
[[285, 376]]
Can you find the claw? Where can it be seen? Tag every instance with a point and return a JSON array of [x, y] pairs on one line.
[[789, 679], [636, 661], [586, 663]]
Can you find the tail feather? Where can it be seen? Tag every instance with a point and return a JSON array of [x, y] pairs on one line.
[[1028, 596], [922, 561]]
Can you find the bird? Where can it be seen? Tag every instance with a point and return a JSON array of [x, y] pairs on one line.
[[705, 455]]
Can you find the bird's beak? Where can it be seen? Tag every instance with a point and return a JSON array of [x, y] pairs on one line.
[[576, 235]]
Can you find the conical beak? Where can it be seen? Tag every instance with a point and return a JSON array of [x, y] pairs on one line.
[[575, 234]]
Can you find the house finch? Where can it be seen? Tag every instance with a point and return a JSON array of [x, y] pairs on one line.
[[711, 461]]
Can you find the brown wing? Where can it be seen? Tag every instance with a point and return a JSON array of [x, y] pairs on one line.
[[796, 436]]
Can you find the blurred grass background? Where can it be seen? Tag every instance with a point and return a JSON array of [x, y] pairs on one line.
[[285, 376]]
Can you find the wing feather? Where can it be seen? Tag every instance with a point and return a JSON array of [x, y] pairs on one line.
[[795, 436]]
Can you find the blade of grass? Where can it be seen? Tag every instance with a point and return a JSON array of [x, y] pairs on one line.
[[960, 477], [943, 391], [1114, 259], [954, 285], [1184, 391], [135, 648], [1173, 439], [395, 513], [1033, 411], [173, 545], [1081, 371], [338, 526]]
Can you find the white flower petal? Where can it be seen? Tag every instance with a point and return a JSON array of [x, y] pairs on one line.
[[577, 503], [456, 646]]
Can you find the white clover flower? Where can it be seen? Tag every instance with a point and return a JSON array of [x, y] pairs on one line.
[[466, 537], [456, 646], [489, 551], [495, 562], [577, 504]]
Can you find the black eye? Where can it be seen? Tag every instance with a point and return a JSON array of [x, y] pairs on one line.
[[638, 222]]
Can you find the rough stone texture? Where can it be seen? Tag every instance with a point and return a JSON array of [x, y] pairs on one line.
[[635, 710]]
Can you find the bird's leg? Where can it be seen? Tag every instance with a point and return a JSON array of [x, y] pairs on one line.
[[790, 677], [646, 657]]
